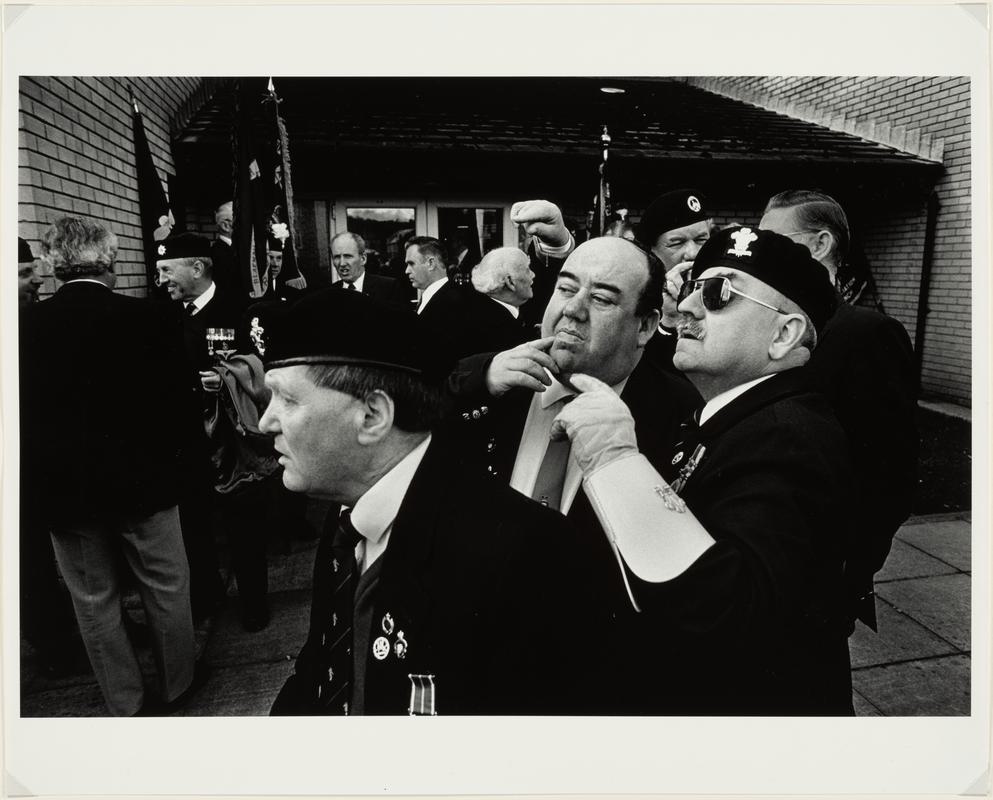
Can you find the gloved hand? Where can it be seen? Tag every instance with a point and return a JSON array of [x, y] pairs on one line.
[[598, 423], [542, 219]]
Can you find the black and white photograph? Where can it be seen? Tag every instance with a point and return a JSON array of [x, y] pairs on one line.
[[593, 401]]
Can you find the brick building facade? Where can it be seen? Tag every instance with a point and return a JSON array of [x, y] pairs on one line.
[[76, 156]]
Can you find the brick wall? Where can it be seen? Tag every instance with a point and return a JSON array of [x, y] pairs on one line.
[[928, 116], [76, 156]]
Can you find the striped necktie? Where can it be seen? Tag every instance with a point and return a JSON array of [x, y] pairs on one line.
[[334, 688]]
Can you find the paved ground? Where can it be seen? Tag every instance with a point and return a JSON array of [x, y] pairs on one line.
[[918, 663]]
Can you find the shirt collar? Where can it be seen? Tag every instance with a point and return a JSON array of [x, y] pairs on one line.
[[514, 310], [88, 280], [359, 282], [204, 298], [557, 391], [377, 508], [432, 290], [725, 398], [223, 238]]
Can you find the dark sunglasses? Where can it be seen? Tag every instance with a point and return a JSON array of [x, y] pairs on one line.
[[716, 293]]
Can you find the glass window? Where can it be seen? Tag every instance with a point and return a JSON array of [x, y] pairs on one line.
[[469, 232], [386, 231]]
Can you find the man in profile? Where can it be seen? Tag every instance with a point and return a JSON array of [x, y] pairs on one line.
[[435, 590], [504, 276], [734, 547]]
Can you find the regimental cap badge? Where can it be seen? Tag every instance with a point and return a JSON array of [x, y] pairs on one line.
[[381, 648], [693, 204], [161, 250], [388, 623], [742, 238]]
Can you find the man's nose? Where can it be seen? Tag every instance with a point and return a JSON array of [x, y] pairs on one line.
[[578, 305], [690, 251], [267, 424], [692, 305]]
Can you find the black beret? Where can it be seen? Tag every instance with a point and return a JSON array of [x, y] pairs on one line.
[[24, 254], [777, 261], [670, 211], [334, 327], [274, 244], [183, 245]]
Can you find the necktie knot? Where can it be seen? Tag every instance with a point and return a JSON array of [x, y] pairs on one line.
[[346, 535], [190, 309]]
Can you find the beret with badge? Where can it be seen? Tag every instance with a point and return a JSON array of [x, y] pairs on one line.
[[183, 245], [669, 211], [778, 262]]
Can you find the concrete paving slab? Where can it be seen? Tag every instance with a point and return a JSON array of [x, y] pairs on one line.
[[293, 571], [907, 561], [230, 644], [900, 638], [940, 603], [82, 700], [863, 708], [950, 541], [240, 691], [935, 687]]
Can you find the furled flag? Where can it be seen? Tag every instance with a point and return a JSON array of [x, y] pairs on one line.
[[263, 205], [600, 212], [153, 207]]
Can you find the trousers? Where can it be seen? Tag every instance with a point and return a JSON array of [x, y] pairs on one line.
[[90, 557]]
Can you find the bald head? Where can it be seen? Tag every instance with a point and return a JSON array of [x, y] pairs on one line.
[[504, 274]]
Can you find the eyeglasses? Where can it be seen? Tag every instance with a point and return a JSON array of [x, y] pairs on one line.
[[716, 293]]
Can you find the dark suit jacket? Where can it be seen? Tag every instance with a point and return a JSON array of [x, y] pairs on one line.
[[502, 330], [488, 593], [101, 386], [225, 310], [456, 323], [489, 432], [383, 288], [864, 364], [756, 624]]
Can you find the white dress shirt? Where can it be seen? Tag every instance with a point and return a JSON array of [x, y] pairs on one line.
[[202, 300], [545, 406], [515, 312], [715, 404], [375, 511]]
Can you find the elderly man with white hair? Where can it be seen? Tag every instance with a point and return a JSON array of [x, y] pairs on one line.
[[225, 272], [505, 276]]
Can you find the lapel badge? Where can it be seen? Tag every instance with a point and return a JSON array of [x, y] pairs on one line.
[[381, 648], [677, 458], [334, 619], [256, 334], [400, 648], [387, 623], [334, 564]]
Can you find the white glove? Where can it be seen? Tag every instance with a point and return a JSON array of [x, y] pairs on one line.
[[541, 219], [598, 423]]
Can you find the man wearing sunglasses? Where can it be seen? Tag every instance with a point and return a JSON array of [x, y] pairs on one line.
[[734, 548], [865, 367]]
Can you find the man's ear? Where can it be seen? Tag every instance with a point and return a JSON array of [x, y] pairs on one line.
[[823, 245], [377, 417], [788, 334], [649, 324], [198, 267], [508, 282]]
